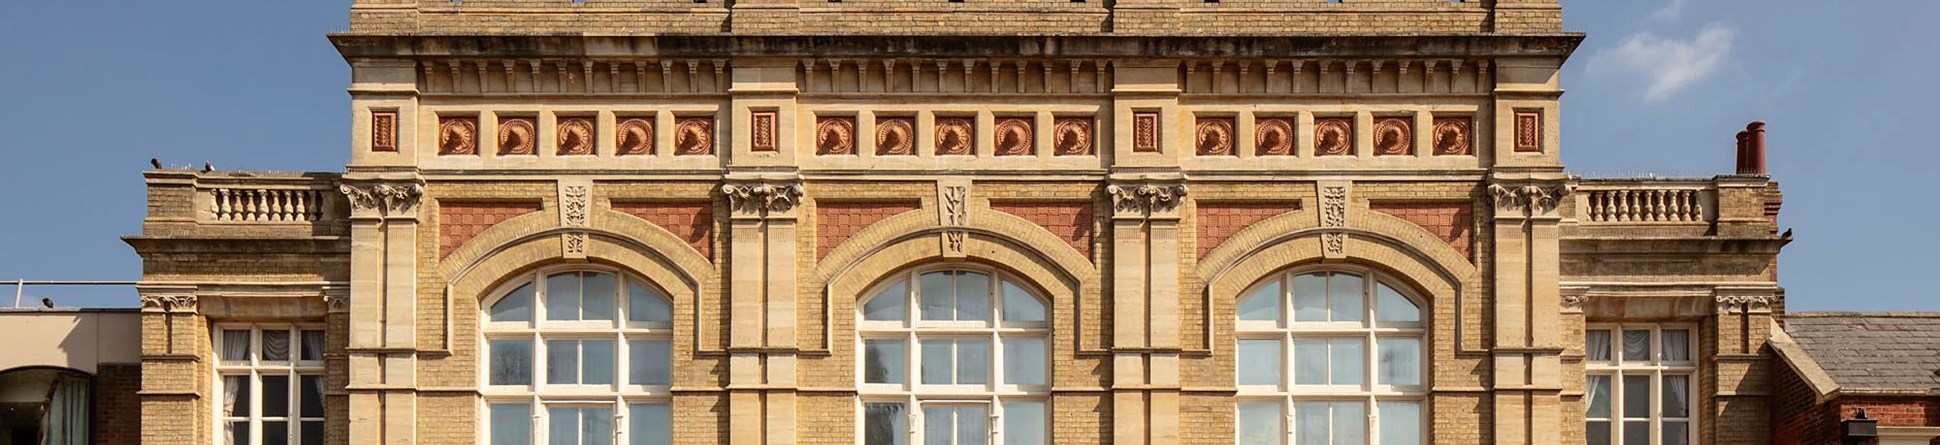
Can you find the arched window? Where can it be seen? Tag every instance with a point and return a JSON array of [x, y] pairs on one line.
[[47, 406], [953, 356], [1330, 356], [577, 356]]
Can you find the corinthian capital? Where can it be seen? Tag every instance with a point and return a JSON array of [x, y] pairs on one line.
[[1144, 199], [754, 198], [1528, 198], [383, 197]]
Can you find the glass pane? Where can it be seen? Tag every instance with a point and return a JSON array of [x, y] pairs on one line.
[[884, 424], [971, 423], [1310, 423], [973, 296], [973, 362], [1636, 346], [1677, 345], [1020, 305], [650, 424], [276, 396], [310, 433], [651, 362], [936, 296], [1636, 398], [597, 362], [235, 390], [1346, 297], [1261, 424], [511, 362], [1596, 345], [1259, 362], [1400, 361], [937, 362], [1310, 362], [1677, 396], [1636, 433], [1024, 423], [938, 423], [1264, 304], [562, 297], [562, 426], [235, 345], [883, 361], [276, 346], [1310, 297], [1400, 423], [238, 433], [1597, 433], [310, 396], [1024, 361], [276, 433], [516, 306], [1597, 388], [1349, 361], [888, 304], [646, 304], [511, 424], [1350, 423], [1390, 305], [600, 293], [1676, 433], [311, 348], [596, 426], [562, 361]]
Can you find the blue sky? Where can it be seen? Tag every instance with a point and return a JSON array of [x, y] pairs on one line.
[[88, 95]]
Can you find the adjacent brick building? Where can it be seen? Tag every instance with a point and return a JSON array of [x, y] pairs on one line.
[[1831, 365]]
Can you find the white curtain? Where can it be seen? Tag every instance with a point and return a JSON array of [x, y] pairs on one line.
[[1677, 396], [1636, 346], [231, 387], [1596, 346], [66, 419], [1677, 344]]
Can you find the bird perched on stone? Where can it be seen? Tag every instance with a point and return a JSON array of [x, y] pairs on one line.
[[207, 167], [157, 163], [47, 303]]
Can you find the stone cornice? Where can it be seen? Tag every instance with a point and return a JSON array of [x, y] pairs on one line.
[[1483, 46]]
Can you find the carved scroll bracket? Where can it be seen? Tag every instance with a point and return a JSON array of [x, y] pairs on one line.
[[1527, 199], [389, 199], [1146, 200], [763, 199]]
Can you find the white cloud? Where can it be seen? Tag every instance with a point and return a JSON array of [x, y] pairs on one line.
[[1667, 64], [1670, 11]]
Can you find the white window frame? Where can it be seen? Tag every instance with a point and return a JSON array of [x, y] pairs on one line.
[[539, 395], [1656, 368], [912, 329], [254, 368], [1370, 393]]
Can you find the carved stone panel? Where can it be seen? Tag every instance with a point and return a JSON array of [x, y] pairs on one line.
[[1529, 131], [1394, 136], [575, 136], [1334, 136], [1452, 136], [955, 137], [383, 131], [694, 136], [1273, 136], [634, 136], [895, 136], [1071, 136], [458, 136], [1014, 137], [762, 132], [517, 136], [1213, 136], [835, 136], [1145, 132], [1146, 199]]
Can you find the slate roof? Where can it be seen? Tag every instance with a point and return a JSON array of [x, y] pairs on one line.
[[1872, 351]]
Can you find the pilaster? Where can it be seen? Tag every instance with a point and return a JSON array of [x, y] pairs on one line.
[[763, 347], [1145, 307], [1528, 305], [383, 307]]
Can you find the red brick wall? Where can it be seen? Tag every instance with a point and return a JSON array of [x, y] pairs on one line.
[[1453, 221], [1071, 221], [1796, 417], [459, 221], [1892, 411], [117, 410], [835, 222], [1220, 220], [692, 221]]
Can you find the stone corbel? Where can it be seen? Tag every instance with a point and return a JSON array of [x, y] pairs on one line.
[[1528, 199], [1146, 200], [383, 199], [763, 199]]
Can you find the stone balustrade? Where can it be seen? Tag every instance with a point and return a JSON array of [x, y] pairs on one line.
[[269, 205], [1646, 202]]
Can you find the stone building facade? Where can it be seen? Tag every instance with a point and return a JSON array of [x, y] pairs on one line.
[[875, 221]]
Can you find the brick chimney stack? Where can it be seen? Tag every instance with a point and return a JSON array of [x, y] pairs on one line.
[[1751, 149]]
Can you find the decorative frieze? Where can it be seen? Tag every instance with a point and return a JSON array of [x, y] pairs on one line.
[[694, 136], [1071, 136], [458, 136], [1147, 198], [1334, 136], [1452, 136], [517, 136], [835, 136], [575, 136], [895, 136], [1527, 198], [395, 198], [954, 137], [634, 137], [1394, 136], [755, 198], [1273, 136], [1213, 136], [1013, 137]]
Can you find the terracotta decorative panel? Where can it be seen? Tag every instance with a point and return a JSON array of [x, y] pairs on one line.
[[575, 136], [835, 222], [762, 131], [835, 136], [458, 136], [1394, 136], [1529, 131], [694, 136], [895, 136], [1220, 220], [383, 131], [691, 221], [1273, 136], [1145, 132], [460, 221], [955, 137], [1334, 136], [1014, 137], [517, 136], [1453, 221], [1071, 221], [634, 137], [1452, 136], [1213, 136], [1071, 136]]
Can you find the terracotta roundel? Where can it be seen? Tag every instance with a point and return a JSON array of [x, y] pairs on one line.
[[1214, 137], [517, 136], [575, 137], [1451, 137], [1273, 137], [458, 136], [634, 137], [1071, 137], [895, 137], [835, 136], [953, 137], [1333, 137], [1014, 137], [1393, 137], [694, 136]]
